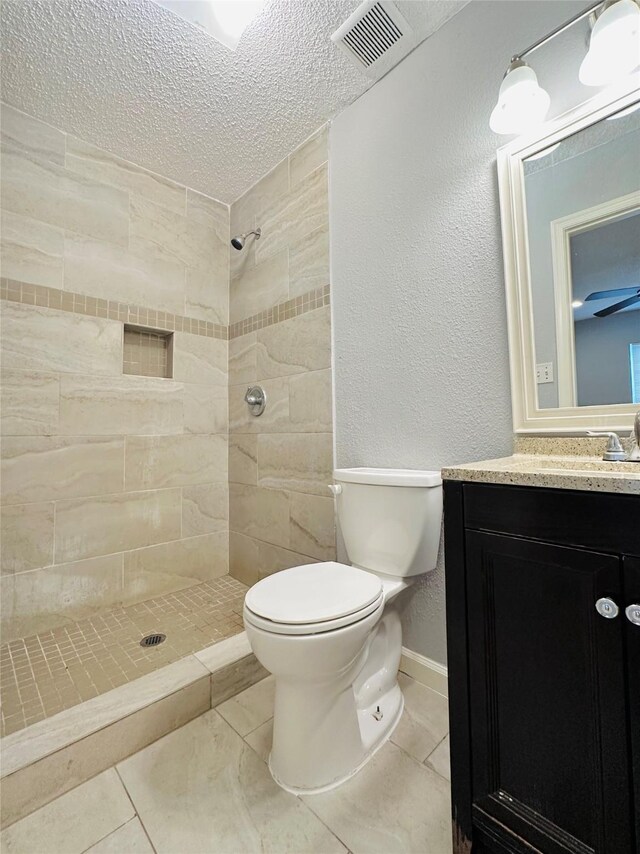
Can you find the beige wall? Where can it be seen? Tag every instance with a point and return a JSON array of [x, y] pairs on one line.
[[114, 487], [280, 511]]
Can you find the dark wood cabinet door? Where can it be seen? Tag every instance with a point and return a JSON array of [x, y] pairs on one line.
[[549, 756], [631, 566]]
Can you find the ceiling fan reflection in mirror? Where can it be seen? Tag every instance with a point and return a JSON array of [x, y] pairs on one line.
[[632, 297]]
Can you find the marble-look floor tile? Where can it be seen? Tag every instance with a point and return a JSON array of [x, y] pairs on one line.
[[439, 759], [251, 708], [425, 720], [202, 789], [261, 739], [73, 822], [128, 839], [394, 805]]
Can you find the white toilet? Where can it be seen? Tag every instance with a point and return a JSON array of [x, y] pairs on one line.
[[330, 633]]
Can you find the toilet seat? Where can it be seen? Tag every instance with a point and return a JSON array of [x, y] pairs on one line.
[[313, 598]]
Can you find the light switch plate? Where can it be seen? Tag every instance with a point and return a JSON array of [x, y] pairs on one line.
[[544, 373]]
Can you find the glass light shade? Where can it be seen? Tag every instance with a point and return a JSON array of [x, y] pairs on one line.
[[225, 20], [614, 49], [522, 103]]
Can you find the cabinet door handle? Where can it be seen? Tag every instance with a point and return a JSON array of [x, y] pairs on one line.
[[607, 608], [633, 614]]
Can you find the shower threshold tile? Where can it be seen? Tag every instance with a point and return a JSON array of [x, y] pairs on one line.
[[46, 673]]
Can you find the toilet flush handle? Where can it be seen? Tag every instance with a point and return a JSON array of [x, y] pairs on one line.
[[336, 488]]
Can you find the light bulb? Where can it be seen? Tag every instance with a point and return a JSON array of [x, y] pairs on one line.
[[522, 103], [614, 48], [576, 304]]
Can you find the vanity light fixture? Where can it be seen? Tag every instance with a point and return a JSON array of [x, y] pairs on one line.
[[614, 51], [614, 47]]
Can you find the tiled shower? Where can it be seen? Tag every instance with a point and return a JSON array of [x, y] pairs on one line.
[[134, 479]]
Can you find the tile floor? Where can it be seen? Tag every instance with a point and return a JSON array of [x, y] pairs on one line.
[[206, 788], [46, 673]]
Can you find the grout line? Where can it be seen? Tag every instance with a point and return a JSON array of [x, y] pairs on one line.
[[124, 786]]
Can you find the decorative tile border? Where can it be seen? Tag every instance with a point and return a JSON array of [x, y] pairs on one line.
[[28, 294], [291, 308], [92, 307]]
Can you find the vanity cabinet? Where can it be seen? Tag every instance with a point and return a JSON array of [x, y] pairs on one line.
[[544, 689]]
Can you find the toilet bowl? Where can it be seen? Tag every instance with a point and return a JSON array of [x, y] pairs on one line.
[[330, 632]]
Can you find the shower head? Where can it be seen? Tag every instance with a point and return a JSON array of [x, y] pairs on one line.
[[239, 240]]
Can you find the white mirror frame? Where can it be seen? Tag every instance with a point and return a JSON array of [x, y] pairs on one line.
[[527, 417]]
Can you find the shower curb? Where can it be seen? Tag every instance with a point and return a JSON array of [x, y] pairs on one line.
[[47, 759]]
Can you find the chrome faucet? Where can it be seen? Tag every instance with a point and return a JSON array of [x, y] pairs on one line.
[[614, 452]]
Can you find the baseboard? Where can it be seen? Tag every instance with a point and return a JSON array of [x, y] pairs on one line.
[[425, 670]]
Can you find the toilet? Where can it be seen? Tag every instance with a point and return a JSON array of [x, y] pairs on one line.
[[330, 633]]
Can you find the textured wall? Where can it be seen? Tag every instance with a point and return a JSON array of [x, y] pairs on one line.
[[114, 487], [421, 362], [280, 512]]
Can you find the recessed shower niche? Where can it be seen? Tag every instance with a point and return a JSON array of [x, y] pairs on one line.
[[147, 352]]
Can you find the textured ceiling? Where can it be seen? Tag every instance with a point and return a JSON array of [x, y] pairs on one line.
[[130, 76]]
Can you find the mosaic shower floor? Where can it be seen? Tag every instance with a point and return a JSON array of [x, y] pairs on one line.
[[54, 670]]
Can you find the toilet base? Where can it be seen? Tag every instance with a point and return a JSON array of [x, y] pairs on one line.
[[373, 734]]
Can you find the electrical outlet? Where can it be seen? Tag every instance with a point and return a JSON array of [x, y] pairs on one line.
[[544, 373]]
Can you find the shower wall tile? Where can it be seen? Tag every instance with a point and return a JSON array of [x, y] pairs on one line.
[[47, 468], [310, 403], [302, 210], [26, 534], [243, 458], [206, 293], [205, 408], [197, 359], [260, 287], [156, 462], [169, 236], [148, 571], [309, 262], [280, 464], [252, 204], [23, 133], [243, 366], [100, 165], [205, 509], [309, 156], [107, 271], [95, 406], [259, 513], [35, 338], [296, 462], [108, 524], [79, 590], [32, 251], [294, 346], [90, 241], [29, 403], [312, 525]]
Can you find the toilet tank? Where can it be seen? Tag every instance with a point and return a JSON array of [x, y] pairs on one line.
[[390, 518]]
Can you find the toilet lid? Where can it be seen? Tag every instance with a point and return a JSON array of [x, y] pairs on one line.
[[313, 593]]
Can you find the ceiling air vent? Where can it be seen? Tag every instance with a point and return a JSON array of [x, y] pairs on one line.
[[375, 37]]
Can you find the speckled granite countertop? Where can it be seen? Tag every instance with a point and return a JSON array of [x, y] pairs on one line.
[[552, 472]]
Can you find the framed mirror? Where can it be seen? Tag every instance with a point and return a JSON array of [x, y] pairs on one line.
[[570, 210]]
